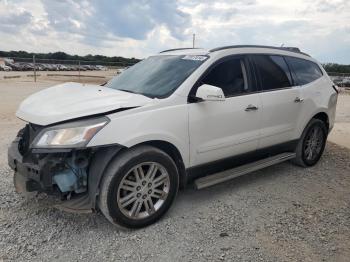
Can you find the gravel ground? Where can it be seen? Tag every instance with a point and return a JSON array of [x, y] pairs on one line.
[[281, 213]]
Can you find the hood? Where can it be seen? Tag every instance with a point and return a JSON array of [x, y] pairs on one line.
[[73, 100]]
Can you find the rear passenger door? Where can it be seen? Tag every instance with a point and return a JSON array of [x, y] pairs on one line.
[[312, 86], [280, 100]]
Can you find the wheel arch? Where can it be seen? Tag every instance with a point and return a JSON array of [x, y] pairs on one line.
[[105, 155], [174, 153], [319, 114], [323, 117]]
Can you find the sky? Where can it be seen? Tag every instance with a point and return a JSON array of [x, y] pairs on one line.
[[139, 28]]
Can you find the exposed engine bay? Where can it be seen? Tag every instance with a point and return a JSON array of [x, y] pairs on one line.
[[64, 172], [58, 171]]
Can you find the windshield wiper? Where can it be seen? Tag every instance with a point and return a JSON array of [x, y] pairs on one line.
[[125, 90], [133, 92]]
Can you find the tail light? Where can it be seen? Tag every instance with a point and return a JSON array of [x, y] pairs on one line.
[[336, 88]]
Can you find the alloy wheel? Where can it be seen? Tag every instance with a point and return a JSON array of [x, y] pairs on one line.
[[143, 190], [313, 143]]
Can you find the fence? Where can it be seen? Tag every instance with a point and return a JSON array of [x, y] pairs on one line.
[[79, 66], [340, 79]]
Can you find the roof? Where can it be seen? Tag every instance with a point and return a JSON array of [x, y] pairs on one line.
[[176, 49], [201, 51], [283, 48], [185, 51]]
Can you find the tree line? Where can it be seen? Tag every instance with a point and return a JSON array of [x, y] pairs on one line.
[[65, 56], [336, 68], [329, 67]]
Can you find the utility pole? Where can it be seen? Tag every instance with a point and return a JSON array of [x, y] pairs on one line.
[[34, 68], [79, 69], [193, 41]]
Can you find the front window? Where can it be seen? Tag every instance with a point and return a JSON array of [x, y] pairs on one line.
[[157, 76], [230, 76]]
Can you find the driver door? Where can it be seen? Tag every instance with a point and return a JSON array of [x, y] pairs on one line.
[[221, 129]]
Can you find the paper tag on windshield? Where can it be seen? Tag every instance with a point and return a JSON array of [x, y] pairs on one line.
[[195, 57]]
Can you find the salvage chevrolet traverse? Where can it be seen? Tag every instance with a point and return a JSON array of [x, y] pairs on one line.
[[183, 115]]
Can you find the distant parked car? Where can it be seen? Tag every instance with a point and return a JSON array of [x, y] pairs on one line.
[[337, 79], [75, 68], [15, 66], [120, 70], [62, 67], [102, 68], [28, 66], [87, 67], [39, 67], [55, 67], [346, 81], [82, 68], [47, 67], [25, 66], [5, 68]]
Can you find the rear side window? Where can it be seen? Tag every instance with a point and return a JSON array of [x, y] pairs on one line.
[[230, 76], [305, 71], [274, 72]]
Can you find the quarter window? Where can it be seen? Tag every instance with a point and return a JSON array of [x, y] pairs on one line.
[[305, 71], [274, 72], [230, 76]]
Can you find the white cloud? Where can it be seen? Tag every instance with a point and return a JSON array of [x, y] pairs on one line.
[[140, 28]]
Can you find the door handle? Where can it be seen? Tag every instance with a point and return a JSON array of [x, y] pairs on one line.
[[251, 108], [298, 100]]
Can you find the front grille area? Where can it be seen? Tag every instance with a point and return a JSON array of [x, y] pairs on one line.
[[27, 135]]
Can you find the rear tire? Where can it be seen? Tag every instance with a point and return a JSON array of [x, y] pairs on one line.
[[138, 187], [311, 144]]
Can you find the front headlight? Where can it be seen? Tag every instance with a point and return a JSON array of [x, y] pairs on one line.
[[70, 135]]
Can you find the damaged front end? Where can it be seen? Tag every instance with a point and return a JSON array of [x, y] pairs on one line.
[[73, 173]]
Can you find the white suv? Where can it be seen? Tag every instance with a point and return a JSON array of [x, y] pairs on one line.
[[182, 115]]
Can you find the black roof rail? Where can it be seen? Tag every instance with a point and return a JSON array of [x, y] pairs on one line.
[[284, 48], [175, 49], [291, 48]]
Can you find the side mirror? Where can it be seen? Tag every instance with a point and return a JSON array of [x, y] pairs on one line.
[[210, 93]]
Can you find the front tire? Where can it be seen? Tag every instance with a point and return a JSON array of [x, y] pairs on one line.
[[138, 187], [311, 144]]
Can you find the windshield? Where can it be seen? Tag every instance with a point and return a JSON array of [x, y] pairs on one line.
[[157, 76]]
